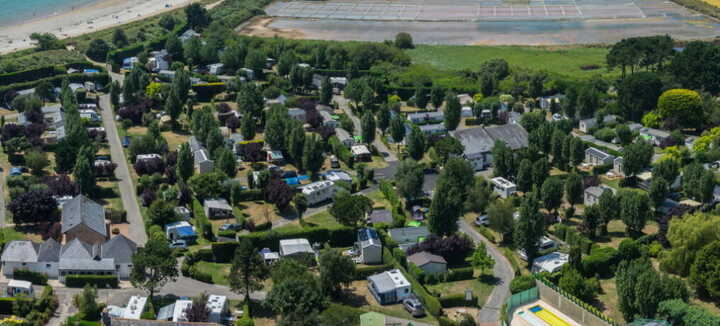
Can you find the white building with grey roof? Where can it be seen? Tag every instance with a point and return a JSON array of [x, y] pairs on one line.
[[203, 162], [479, 142], [389, 287], [290, 247], [84, 219]]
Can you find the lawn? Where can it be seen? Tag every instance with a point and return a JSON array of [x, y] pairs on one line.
[[323, 219], [480, 288], [219, 272], [609, 300], [174, 139], [30, 60], [560, 60]]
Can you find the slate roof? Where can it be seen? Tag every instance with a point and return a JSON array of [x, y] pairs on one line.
[[82, 210], [217, 203], [23, 251], [49, 251], [293, 246], [119, 248], [482, 139], [592, 151], [422, 258], [77, 250]]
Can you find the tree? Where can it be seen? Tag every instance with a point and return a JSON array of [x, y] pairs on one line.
[[501, 218], [248, 269], [551, 194], [529, 227], [577, 151], [247, 127], [687, 237], [336, 271], [115, 90], [591, 220], [421, 96], [161, 212], [659, 190], [198, 311], [255, 60], [481, 260], [98, 50], [383, 118], [312, 155], [350, 209], [173, 106], [680, 313], [185, 164], [301, 295], [167, 22], [275, 127], [368, 127], [300, 202], [574, 283], [33, 206], [682, 105], [233, 57], [638, 94], [624, 134], [46, 41], [153, 266], [705, 271], [640, 289], [397, 129], [326, 91], [37, 161], [452, 111], [436, 96], [416, 143], [636, 157], [503, 160], [404, 41], [446, 208], [197, 16], [634, 209], [84, 174], [409, 178], [174, 47], [279, 193], [574, 189], [296, 146], [609, 209], [226, 162], [87, 303], [120, 40]]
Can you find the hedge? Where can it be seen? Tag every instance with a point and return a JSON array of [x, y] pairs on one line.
[[460, 274], [100, 281], [6, 305], [102, 78], [362, 273], [457, 300], [204, 254], [340, 150], [205, 92], [601, 261], [251, 195], [43, 72], [30, 276]]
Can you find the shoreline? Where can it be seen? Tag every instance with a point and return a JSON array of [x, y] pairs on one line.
[[85, 19]]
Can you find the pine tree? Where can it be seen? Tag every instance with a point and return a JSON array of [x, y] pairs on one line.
[[416, 144], [368, 127], [247, 126], [84, 175], [326, 91], [452, 111], [185, 164]]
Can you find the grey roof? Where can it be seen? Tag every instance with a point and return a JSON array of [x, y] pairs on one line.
[[201, 156], [598, 191], [383, 282], [24, 251], [194, 144], [598, 153], [655, 132], [432, 127], [296, 112], [104, 264], [381, 216], [482, 140], [293, 246], [422, 258], [119, 248], [216, 203], [166, 312], [432, 115], [82, 210], [49, 251], [77, 250], [408, 234]]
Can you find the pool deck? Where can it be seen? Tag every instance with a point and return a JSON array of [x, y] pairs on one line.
[[519, 321]]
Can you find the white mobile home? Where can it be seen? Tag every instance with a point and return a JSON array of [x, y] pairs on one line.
[[318, 192], [503, 187], [389, 287]]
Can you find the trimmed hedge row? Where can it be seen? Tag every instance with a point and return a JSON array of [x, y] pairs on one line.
[[223, 252], [251, 195], [43, 72], [340, 150], [100, 281], [457, 300], [205, 92], [460, 274], [102, 78], [30, 276], [362, 273]]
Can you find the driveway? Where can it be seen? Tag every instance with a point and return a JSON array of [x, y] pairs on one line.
[[136, 228], [503, 271]]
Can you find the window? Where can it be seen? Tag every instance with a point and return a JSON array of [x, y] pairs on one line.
[[47, 265], [407, 290], [24, 264]]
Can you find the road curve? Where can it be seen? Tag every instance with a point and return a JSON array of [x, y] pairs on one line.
[[490, 312]]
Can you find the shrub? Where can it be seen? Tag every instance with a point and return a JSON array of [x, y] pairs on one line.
[[200, 275], [99, 281], [560, 230], [399, 254], [459, 274], [654, 249], [457, 300], [30, 276], [6, 305], [601, 261], [417, 273], [522, 283], [204, 254]]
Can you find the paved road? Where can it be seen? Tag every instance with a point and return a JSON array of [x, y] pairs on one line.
[[387, 154], [490, 312], [136, 228]]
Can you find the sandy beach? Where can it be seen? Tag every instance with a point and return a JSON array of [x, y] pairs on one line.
[[97, 16]]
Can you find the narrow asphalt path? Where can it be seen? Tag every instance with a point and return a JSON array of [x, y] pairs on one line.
[[136, 228], [503, 271]]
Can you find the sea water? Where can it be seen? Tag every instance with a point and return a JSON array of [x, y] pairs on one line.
[[18, 11]]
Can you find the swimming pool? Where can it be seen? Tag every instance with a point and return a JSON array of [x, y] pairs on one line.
[[548, 317], [531, 319]]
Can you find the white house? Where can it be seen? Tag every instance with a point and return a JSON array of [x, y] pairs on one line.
[[479, 142], [290, 247], [503, 187], [433, 129], [328, 120], [596, 157], [360, 153], [369, 247], [337, 175], [389, 287], [586, 125], [147, 157], [592, 194], [215, 68], [550, 263], [218, 306], [318, 192], [20, 288], [618, 166], [428, 263]]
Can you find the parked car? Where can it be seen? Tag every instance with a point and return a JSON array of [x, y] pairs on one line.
[[482, 220], [179, 244], [14, 171], [414, 307], [334, 163], [126, 141], [230, 226]]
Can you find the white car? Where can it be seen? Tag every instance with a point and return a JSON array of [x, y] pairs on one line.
[[482, 220]]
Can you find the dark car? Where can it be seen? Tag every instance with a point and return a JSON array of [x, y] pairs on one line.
[[414, 307]]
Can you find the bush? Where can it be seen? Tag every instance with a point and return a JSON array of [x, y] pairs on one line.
[[457, 300], [522, 283], [200, 275], [417, 273], [204, 254], [99, 281], [251, 195], [487, 234], [601, 261], [560, 231], [654, 249], [205, 92], [459, 274], [30, 276], [6, 305], [400, 256], [227, 234]]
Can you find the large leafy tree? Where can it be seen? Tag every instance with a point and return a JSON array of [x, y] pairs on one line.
[[409, 178], [574, 189], [312, 155], [687, 236], [153, 266], [705, 271], [452, 111], [638, 93], [640, 289], [295, 297], [397, 129], [34, 206], [197, 16], [524, 176], [481, 259], [184, 165], [635, 210], [551, 194], [248, 269], [683, 106], [350, 209], [416, 144], [503, 160], [500, 214], [336, 271], [368, 127], [636, 157], [448, 147], [530, 226]]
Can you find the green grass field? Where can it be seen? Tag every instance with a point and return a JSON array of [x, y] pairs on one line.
[[563, 60]]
